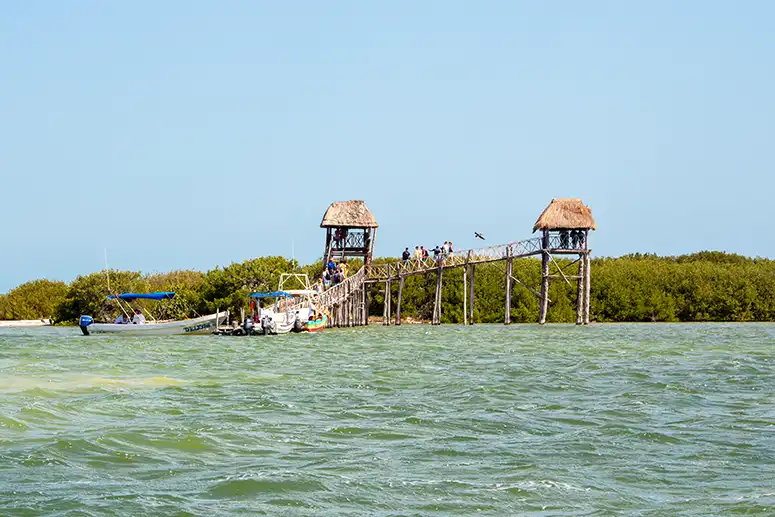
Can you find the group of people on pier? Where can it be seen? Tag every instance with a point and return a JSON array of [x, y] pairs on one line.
[[333, 274], [422, 255], [572, 240]]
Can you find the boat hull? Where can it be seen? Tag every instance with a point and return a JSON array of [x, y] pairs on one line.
[[317, 325], [201, 325]]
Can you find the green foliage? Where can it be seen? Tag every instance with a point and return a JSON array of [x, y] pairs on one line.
[[229, 287], [704, 286], [32, 300], [87, 294]]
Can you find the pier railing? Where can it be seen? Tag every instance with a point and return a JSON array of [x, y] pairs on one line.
[[340, 292], [526, 248]]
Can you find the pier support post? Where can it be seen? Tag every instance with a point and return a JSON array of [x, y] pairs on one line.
[[507, 316], [580, 292], [386, 309], [365, 301], [437, 302], [544, 279], [359, 306], [398, 300], [465, 295], [349, 304], [471, 295]]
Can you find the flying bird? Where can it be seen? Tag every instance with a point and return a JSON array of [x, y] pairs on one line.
[[478, 235]]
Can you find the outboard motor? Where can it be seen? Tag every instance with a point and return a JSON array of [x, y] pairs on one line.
[[84, 322], [298, 325]]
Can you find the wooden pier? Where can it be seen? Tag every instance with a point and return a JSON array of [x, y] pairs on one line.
[[351, 229]]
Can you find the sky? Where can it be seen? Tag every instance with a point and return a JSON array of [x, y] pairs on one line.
[[189, 134]]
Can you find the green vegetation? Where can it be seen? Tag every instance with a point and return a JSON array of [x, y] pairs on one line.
[[705, 286]]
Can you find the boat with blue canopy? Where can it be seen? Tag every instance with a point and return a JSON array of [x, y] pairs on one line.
[[139, 321], [291, 308]]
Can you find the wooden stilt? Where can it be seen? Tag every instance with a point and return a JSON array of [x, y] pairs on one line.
[[544, 280], [507, 316], [471, 295], [465, 295], [398, 300], [437, 302], [365, 304], [388, 300], [349, 305], [580, 293], [587, 279]]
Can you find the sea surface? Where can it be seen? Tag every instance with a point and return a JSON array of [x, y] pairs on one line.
[[641, 419]]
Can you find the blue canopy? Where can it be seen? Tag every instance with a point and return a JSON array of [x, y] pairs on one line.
[[144, 296], [274, 294]]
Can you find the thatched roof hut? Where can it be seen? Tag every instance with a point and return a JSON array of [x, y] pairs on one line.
[[349, 214], [566, 214]]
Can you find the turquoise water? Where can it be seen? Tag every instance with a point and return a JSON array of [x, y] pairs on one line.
[[413, 420]]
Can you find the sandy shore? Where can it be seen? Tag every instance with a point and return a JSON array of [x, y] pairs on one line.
[[24, 323]]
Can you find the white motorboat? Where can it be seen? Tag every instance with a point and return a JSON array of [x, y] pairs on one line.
[[280, 317], [139, 327]]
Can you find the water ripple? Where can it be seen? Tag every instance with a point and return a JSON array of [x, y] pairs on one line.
[[493, 420]]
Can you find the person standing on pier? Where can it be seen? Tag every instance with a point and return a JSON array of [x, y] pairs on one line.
[[417, 254], [405, 256]]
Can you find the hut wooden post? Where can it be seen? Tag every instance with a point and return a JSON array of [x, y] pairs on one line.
[[437, 301], [544, 278], [398, 301], [587, 279], [471, 295], [507, 316], [580, 292]]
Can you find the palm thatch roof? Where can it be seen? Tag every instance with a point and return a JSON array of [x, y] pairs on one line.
[[565, 214], [350, 214]]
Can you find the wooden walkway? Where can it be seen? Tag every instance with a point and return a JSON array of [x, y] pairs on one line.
[[347, 302]]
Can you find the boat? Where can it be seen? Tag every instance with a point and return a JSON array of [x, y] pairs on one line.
[[26, 323], [317, 325], [315, 316], [292, 310], [280, 317], [200, 325]]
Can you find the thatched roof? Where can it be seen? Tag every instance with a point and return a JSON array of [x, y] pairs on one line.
[[352, 214], [566, 214]]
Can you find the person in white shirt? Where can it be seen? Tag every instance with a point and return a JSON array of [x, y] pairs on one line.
[[138, 318], [122, 320]]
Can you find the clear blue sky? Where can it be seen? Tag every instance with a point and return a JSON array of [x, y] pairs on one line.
[[190, 134]]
